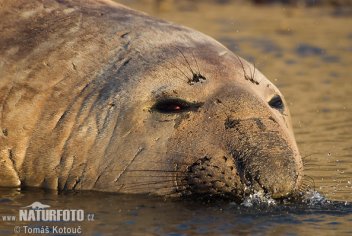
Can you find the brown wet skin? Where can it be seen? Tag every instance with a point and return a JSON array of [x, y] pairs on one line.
[[96, 96]]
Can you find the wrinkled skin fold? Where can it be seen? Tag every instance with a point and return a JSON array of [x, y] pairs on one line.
[[96, 96]]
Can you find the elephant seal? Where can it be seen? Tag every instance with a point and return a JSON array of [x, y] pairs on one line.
[[97, 96]]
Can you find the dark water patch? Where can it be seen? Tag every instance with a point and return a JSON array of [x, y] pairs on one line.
[[5, 200], [181, 6], [222, 1], [266, 46], [342, 11], [331, 59], [175, 234], [130, 222], [290, 62], [334, 223], [301, 73], [325, 110], [230, 43], [183, 226], [305, 50], [334, 74], [248, 57], [308, 3]]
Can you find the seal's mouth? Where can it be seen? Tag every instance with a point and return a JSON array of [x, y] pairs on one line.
[[233, 177], [211, 177]]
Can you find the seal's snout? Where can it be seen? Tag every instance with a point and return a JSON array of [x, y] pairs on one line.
[[265, 159], [278, 178], [242, 173]]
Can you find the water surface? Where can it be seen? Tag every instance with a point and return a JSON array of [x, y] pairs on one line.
[[117, 214]]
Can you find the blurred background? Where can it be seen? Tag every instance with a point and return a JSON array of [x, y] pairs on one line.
[[305, 48]]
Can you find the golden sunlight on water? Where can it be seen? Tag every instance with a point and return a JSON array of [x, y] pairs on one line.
[[307, 53]]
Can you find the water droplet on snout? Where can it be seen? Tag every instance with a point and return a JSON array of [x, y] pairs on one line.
[[312, 197], [258, 198]]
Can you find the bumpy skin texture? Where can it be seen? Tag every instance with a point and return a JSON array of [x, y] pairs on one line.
[[79, 81]]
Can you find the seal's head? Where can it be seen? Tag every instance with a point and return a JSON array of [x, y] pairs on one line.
[[203, 121]]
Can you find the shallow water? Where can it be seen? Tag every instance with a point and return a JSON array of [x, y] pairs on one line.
[[306, 52], [116, 214]]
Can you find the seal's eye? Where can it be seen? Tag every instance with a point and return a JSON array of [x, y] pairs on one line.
[[173, 105], [277, 103]]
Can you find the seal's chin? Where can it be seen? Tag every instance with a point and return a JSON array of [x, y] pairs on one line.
[[214, 177], [235, 179]]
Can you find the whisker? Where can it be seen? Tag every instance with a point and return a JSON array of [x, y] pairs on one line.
[[308, 162], [172, 64], [188, 78], [189, 66], [168, 162], [244, 70], [251, 76], [144, 183], [308, 181], [184, 153], [154, 185], [312, 154], [194, 58], [157, 176]]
